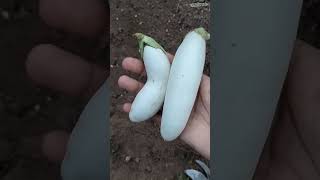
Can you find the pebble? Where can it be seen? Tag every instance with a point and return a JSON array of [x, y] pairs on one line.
[[137, 160], [128, 158]]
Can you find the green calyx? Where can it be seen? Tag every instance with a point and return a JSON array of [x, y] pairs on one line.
[[203, 33], [145, 40]]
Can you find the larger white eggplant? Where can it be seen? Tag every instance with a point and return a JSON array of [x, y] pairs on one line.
[[150, 98], [183, 84]]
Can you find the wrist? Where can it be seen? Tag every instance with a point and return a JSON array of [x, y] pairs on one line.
[[199, 140]]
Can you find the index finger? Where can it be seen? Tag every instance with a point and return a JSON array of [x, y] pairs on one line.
[[135, 65]]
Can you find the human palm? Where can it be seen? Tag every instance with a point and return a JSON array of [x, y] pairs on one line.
[[292, 150], [197, 131]]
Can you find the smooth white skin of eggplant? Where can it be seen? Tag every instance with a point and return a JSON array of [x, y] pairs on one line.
[[183, 84], [150, 98]]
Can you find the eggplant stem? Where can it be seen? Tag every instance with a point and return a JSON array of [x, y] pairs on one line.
[[144, 40], [203, 33]]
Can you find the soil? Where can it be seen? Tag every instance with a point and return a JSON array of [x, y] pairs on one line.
[[167, 22], [28, 111]]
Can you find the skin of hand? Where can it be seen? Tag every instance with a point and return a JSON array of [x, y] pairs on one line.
[[292, 150], [197, 131]]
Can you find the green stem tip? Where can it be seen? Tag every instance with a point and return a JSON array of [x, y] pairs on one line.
[[145, 40], [203, 33]]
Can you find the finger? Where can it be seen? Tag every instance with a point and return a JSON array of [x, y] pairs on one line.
[[133, 65], [54, 145], [86, 17], [127, 107], [136, 66], [156, 119], [130, 84], [170, 57], [205, 91], [57, 69]]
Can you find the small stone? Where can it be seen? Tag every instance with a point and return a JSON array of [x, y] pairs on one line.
[[117, 18], [135, 15], [137, 160], [128, 158], [140, 23], [167, 30], [121, 10]]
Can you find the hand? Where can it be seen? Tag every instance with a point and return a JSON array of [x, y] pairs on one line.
[[55, 68], [197, 131], [293, 149]]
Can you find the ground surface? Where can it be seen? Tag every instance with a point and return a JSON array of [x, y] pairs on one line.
[[27, 111], [167, 22]]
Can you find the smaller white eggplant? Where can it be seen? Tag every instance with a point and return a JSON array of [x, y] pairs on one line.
[[150, 98], [183, 84]]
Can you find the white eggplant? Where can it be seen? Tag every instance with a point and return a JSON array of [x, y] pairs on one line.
[[183, 83], [150, 98]]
